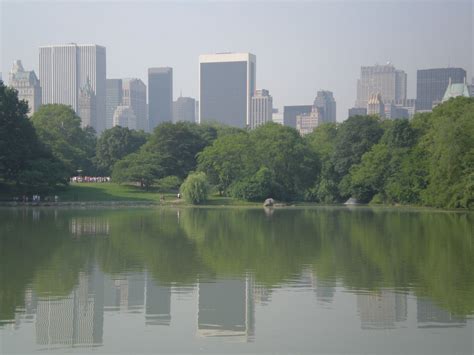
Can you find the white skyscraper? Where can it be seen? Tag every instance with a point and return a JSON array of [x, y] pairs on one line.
[[390, 82], [27, 85], [64, 70], [226, 86], [261, 108]]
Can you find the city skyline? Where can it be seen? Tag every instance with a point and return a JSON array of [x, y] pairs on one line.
[[293, 80]]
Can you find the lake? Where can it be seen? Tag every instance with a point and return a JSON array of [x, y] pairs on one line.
[[317, 280]]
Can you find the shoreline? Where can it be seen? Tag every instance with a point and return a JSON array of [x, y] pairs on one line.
[[236, 204]]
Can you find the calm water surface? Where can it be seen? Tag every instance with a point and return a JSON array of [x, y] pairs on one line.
[[304, 280]]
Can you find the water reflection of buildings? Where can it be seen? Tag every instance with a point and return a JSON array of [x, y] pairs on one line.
[[89, 226], [381, 309], [76, 319], [226, 308], [429, 315]]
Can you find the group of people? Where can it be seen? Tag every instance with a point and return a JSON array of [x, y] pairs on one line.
[[90, 179], [35, 198]]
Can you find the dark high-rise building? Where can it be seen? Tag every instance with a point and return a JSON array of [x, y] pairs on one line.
[[114, 99], [290, 113], [431, 85], [184, 109], [326, 105], [226, 86], [160, 96], [357, 111]]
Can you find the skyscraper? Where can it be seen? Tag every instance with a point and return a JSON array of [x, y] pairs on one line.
[[431, 85], [290, 113], [64, 69], [261, 108], [326, 104], [160, 96], [226, 85], [87, 106], [384, 79], [184, 109], [307, 122], [357, 111], [27, 85], [134, 96], [375, 106], [113, 100]]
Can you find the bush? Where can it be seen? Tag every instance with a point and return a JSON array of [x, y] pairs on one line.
[[195, 188], [256, 188]]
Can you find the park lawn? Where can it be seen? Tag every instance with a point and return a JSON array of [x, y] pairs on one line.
[[101, 192]]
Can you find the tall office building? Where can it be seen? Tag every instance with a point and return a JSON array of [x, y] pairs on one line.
[[124, 117], [226, 86], [261, 108], [391, 83], [375, 105], [87, 106], [27, 85], [291, 112], [184, 109], [431, 85], [134, 96], [307, 122], [277, 116], [64, 69], [160, 96], [357, 111], [113, 100], [326, 104]]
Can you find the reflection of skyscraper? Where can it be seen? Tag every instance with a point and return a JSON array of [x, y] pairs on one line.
[[429, 315], [158, 303], [76, 319], [95, 226], [125, 293], [226, 308], [380, 310]]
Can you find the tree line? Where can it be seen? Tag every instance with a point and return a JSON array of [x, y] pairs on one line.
[[428, 160]]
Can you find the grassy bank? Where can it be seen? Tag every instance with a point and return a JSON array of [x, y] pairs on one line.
[[109, 192]]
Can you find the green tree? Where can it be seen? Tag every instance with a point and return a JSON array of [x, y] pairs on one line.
[[355, 136], [59, 128], [24, 160], [114, 144], [177, 145], [230, 158], [450, 143], [142, 167], [258, 187], [195, 188]]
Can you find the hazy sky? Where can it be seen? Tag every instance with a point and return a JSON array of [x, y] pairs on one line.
[[301, 46]]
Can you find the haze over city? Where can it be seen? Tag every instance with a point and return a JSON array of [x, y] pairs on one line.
[[301, 47]]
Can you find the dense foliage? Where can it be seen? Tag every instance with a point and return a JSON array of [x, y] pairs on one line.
[[26, 164], [195, 188], [428, 160]]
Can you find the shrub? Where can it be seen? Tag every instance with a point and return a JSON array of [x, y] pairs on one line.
[[195, 188]]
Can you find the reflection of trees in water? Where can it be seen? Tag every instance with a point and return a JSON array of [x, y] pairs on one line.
[[361, 248]]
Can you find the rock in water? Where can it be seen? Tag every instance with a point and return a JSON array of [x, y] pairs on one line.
[[351, 201], [269, 202]]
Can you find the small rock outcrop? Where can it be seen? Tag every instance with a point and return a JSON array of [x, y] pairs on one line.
[[269, 202]]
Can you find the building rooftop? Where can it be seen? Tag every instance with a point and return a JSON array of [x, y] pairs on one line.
[[455, 90]]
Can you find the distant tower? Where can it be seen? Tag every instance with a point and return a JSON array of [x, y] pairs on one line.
[[226, 86], [27, 85], [160, 96], [114, 99], [87, 106], [125, 117], [184, 109], [134, 96], [431, 85], [326, 104], [307, 122], [375, 105], [261, 108], [385, 79], [63, 71]]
